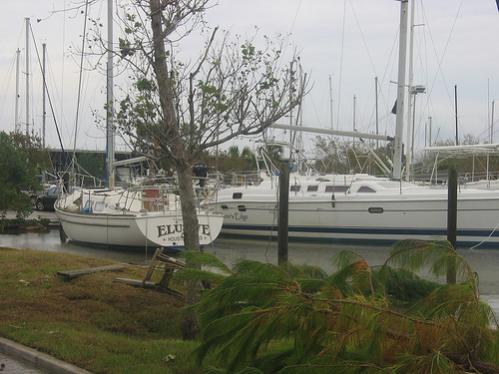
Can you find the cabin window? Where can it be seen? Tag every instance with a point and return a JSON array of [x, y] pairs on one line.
[[295, 188], [237, 195], [330, 188], [241, 208], [365, 189], [224, 206], [313, 188]]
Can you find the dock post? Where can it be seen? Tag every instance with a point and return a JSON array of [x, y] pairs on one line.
[[282, 238], [452, 222]]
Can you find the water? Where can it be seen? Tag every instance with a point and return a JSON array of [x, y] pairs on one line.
[[484, 262]]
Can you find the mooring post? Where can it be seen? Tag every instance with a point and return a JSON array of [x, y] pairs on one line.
[[452, 222], [282, 244]]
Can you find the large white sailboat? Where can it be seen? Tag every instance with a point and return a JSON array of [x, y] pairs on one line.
[[361, 208]]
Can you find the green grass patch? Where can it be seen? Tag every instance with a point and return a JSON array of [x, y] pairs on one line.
[[91, 321]]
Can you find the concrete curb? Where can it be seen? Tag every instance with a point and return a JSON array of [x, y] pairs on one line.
[[38, 359]]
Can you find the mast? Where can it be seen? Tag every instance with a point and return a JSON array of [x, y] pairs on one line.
[[331, 101], [44, 116], [429, 135], [376, 108], [27, 76], [410, 116], [110, 98], [412, 129], [399, 128], [354, 112], [17, 126], [291, 132], [492, 122], [455, 107]]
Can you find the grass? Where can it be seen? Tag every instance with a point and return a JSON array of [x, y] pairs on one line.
[[91, 321]]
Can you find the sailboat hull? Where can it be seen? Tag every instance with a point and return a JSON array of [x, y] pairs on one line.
[[384, 216], [134, 230], [368, 222]]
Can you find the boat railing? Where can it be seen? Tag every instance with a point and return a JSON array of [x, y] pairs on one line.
[[158, 194]]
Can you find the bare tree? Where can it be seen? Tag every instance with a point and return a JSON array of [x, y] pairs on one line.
[[177, 110]]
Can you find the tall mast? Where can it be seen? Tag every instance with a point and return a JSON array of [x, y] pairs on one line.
[[27, 76], [354, 113], [455, 110], [490, 113], [492, 123], [17, 125], [410, 117], [376, 108], [399, 128], [331, 101], [429, 135], [110, 98], [44, 115]]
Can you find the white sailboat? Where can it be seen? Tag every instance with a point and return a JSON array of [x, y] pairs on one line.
[[130, 218], [360, 208], [148, 216]]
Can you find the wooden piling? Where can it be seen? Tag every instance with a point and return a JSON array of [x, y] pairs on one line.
[[452, 222], [282, 245]]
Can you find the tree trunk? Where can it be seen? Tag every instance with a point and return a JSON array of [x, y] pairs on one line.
[[172, 128], [188, 202]]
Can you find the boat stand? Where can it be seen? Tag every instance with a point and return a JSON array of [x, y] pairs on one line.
[[161, 262]]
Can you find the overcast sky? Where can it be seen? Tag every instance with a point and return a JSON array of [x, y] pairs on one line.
[[456, 42]]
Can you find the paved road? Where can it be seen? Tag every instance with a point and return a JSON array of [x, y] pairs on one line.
[[11, 366]]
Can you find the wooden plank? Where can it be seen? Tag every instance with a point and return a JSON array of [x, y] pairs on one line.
[[150, 286], [150, 271], [70, 274], [137, 283], [173, 262]]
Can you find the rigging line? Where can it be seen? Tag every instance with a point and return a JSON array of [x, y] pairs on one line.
[[385, 73], [6, 84], [50, 77], [341, 64], [439, 69], [363, 37], [80, 78], [46, 89], [76, 7], [296, 15], [428, 98]]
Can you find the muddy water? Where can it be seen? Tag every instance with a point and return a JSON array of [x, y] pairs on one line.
[[485, 262]]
